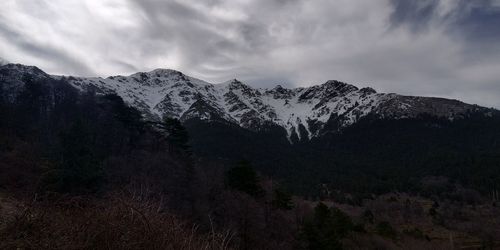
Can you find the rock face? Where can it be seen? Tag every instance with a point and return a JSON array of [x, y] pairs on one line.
[[302, 112]]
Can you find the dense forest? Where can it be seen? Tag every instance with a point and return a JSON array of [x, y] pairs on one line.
[[381, 155], [86, 171]]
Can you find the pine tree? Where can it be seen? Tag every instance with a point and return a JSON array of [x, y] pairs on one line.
[[327, 228], [385, 229], [282, 199], [129, 116], [176, 133], [244, 178], [368, 216], [79, 171]]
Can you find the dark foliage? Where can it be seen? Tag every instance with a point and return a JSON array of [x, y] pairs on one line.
[[327, 228], [382, 155], [368, 216], [120, 221], [79, 170], [385, 229], [282, 199], [176, 133], [244, 178]]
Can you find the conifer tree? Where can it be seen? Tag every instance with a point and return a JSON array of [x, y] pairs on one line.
[[79, 170], [282, 199], [176, 133], [327, 228], [244, 178]]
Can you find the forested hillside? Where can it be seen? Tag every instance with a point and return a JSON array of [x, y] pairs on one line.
[[78, 169], [371, 156]]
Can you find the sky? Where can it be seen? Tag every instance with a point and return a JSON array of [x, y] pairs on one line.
[[445, 48]]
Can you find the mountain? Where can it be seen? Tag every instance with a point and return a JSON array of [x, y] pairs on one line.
[[333, 134], [302, 112]]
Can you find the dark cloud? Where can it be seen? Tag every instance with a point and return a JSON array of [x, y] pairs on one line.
[[472, 27], [480, 22], [476, 22], [416, 14], [443, 48], [55, 55]]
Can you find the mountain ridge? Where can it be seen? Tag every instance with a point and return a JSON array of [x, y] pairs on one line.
[[303, 112]]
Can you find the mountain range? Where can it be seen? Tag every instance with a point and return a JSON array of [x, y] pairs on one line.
[[330, 133], [302, 112]]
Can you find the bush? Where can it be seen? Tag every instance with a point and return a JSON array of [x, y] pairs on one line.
[[385, 229], [244, 178], [118, 222], [282, 199], [327, 228], [415, 233]]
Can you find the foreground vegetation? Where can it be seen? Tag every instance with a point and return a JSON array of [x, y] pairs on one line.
[[118, 222]]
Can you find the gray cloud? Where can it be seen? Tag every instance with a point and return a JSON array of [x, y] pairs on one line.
[[443, 48], [475, 22], [416, 14], [44, 52]]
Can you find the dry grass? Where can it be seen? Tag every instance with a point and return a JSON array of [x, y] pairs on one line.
[[119, 222]]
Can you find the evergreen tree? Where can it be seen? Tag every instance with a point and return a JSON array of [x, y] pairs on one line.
[[79, 170], [327, 228], [385, 229], [282, 199], [368, 216], [176, 133], [244, 178], [341, 222], [129, 116]]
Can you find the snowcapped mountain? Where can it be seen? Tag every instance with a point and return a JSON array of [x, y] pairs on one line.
[[303, 112]]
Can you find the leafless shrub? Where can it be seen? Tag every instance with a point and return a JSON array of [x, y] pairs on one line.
[[117, 222]]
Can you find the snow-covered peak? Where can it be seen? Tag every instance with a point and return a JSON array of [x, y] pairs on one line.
[[367, 91], [339, 86], [232, 84], [164, 72], [279, 92], [302, 112]]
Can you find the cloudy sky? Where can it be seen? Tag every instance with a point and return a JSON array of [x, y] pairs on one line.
[[448, 48]]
